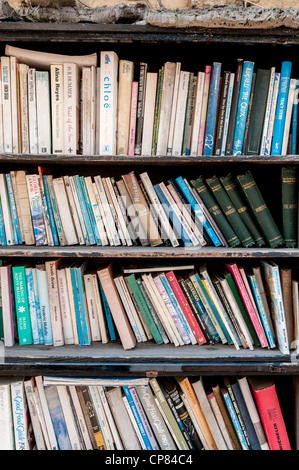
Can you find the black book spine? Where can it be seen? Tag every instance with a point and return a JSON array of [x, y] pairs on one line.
[[234, 107], [140, 107], [222, 110]]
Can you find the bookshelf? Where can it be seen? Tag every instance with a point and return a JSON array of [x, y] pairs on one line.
[[148, 359]]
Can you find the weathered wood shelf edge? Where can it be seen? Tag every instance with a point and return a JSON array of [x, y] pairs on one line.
[[145, 160], [147, 252], [148, 359]]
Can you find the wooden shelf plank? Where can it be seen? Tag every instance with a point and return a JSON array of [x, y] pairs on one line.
[[144, 252]]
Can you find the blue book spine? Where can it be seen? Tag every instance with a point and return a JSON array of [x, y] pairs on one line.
[[295, 120], [242, 109], [235, 421], [175, 303], [50, 211], [2, 230], [83, 206], [75, 289], [57, 418], [212, 109], [107, 314], [84, 315], [44, 306], [197, 210], [177, 226], [55, 211], [262, 312], [205, 316], [37, 306], [32, 306], [137, 418], [281, 107], [90, 211], [13, 212]]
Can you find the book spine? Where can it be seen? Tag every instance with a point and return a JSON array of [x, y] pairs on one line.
[[248, 120], [32, 112], [188, 115], [157, 111], [32, 306], [268, 111], [212, 110], [235, 421], [89, 210], [294, 128], [289, 193], [285, 149], [203, 116], [79, 322], [180, 113], [234, 107], [269, 136], [281, 108], [84, 209], [37, 306], [13, 211], [230, 211], [222, 112], [43, 112], [133, 115], [262, 311], [137, 418], [71, 108], [166, 106], [55, 312], [6, 106], [57, 100], [36, 209], [60, 233], [125, 74], [240, 205], [173, 107], [140, 107], [20, 415], [21, 305], [50, 211], [260, 209], [65, 307], [243, 103]]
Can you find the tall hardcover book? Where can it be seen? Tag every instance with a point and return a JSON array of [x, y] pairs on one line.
[[281, 107]]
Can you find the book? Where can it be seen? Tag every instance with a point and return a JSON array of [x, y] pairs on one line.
[[288, 118], [71, 108], [234, 106], [22, 307], [23, 107], [180, 113], [20, 415], [133, 114], [44, 137], [149, 113], [121, 321], [212, 109], [125, 79], [57, 107], [265, 395], [6, 417], [165, 107], [6, 103], [143, 69], [222, 112], [281, 108], [173, 107], [64, 211], [289, 204]]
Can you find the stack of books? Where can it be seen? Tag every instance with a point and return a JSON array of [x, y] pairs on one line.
[[53, 413], [66, 105], [61, 302], [230, 211]]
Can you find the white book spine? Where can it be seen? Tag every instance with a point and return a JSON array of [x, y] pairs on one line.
[[24, 121], [132, 308], [65, 308], [99, 410], [173, 107], [227, 113], [133, 421], [287, 125], [64, 211], [102, 212], [128, 310], [98, 114], [126, 240], [91, 306], [267, 111], [55, 312], [6, 420], [108, 102], [71, 108], [38, 433], [197, 112], [43, 112], [73, 208], [78, 211], [19, 411], [6, 211], [32, 112], [220, 421], [272, 115], [15, 104], [107, 211], [80, 418], [108, 414], [149, 113], [1, 116], [69, 417], [57, 111], [180, 114], [72, 303], [166, 227], [86, 110], [93, 111], [6, 100]]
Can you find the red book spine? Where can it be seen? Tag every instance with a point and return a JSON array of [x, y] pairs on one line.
[[233, 269], [186, 308], [271, 417]]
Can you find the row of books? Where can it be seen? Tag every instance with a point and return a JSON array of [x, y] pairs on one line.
[[53, 413], [105, 110], [59, 303], [39, 209]]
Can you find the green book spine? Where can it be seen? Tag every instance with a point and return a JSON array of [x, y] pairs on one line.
[[229, 234], [21, 305], [187, 115], [260, 209], [230, 211], [179, 438], [152, 311], [144, 308], [157, 111], [242, 308], [256, 123], [289, 193], [242, 208]]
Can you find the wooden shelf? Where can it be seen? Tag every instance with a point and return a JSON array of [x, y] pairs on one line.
[[144, 253], [146, 359], [149, 160]]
